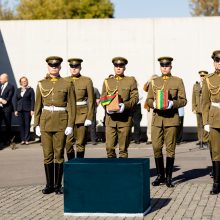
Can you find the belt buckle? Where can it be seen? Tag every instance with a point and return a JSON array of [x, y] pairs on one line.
[[51, 108]]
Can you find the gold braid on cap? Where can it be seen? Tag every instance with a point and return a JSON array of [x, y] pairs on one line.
[[156, 87], [45, 92], [212, 88]]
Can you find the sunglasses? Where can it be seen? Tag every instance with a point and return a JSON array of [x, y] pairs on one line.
[[54, 64], [119, 65], [74, 66], [217, 59]]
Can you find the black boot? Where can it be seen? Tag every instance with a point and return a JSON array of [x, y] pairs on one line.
[[160, 172], [58, 178], [80, 154], [49, 171], [212, 172], [216, 177], [71, 155], [169, 171]]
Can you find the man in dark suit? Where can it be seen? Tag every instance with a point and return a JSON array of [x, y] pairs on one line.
[[6, 107]]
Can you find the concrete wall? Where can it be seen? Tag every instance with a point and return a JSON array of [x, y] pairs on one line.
[[24, 45]]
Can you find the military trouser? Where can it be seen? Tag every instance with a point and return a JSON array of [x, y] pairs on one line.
[[79, 135], [53, 146], [214, 137], [120, 134], [149, 121], [200, 128], [137, 116], [161, 135], [92, 129]]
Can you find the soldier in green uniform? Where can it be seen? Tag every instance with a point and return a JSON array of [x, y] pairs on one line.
[[165, 122], [203, 136], [85, 105], [118, 124], [211, 117], [53, 119]]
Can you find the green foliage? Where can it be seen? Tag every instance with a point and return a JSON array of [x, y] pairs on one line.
[[64, 9], [204, 7], [5, 12]]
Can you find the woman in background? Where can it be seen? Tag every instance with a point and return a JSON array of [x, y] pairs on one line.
[[24, 108]]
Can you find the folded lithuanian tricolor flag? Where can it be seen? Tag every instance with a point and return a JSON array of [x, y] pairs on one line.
[[106, 100], [161, 99]]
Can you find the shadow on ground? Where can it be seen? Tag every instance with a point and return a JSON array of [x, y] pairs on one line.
[[192, 174], [158, 203]]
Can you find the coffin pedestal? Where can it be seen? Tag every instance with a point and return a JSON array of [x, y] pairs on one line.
[[106, 187]]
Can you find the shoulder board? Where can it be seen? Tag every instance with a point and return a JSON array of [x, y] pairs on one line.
[[209, 75], [176, 77], [85, 77], [129, 77], [109, 78], [157, 78]]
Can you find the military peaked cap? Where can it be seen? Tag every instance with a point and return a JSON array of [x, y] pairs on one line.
[[75, 61], [216, 53], [165, 59], [54, 60], [119, 60], [203, 73]]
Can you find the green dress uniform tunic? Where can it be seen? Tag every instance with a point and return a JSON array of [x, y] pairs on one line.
[[118, 125], [84, 110], [165, 122], [211, 117], [211, 111], [203, 136], [52, 93]]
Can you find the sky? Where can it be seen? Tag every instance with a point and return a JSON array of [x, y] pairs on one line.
[[151, 8]]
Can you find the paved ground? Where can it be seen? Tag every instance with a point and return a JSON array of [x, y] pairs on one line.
[[22, 178]]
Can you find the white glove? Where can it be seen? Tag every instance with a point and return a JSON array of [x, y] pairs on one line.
[[170, 104], [122, 107], [154, 104], [37, 131], [109, 112], [68, 131], [207, 128], [87, 122]]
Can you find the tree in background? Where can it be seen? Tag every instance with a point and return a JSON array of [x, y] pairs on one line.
[[204, 7], [5, 12], [64, 9]]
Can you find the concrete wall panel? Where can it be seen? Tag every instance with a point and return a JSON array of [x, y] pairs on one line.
[[24, 45]]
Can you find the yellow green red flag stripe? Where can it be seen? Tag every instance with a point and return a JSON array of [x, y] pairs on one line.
[[106, 100], [162, 99]]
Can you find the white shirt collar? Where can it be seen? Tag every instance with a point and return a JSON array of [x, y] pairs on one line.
[[5, 84]]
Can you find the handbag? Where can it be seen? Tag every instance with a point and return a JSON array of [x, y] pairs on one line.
[[112, 100], [113, 106]]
